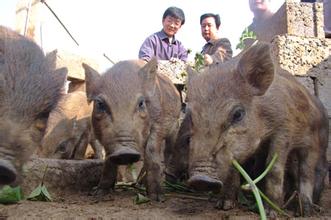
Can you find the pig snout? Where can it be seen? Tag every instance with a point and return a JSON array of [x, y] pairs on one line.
[[124, 155], [204, 183], [7, 172]]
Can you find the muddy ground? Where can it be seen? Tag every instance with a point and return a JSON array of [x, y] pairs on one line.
[[121, 206]]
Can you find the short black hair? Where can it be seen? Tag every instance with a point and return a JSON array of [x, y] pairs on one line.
[[215, 16], [176, 13]]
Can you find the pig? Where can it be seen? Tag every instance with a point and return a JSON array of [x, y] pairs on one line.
[[30, 87], [248, 107], [69, 129], [135, 112]]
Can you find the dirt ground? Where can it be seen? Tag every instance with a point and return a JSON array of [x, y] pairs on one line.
[[120, 205]]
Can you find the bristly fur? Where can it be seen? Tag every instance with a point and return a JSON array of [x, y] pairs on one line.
[[29, 83]]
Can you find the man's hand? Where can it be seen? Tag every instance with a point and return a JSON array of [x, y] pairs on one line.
[[208, 59]]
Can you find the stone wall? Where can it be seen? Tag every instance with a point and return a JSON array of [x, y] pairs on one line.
[[300, 48]]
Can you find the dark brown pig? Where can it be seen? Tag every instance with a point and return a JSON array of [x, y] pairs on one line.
[[30, 87], [245, 106], [135, 111], [69, 129]]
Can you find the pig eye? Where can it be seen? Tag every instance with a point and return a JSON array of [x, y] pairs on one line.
[[62, 147], [237, 115], [100, 106], [141, 104]]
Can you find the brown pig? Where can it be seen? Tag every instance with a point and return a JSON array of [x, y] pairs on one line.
[[69, 129], [245, 106], [30, 87], [135, 111]]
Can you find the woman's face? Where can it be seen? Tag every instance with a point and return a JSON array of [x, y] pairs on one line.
[[171, 25]]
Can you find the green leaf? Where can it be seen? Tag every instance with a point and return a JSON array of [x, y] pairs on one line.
[[132, 169], [46, 193], [246, 34], [40, 194], [140, 199], [199, 61], [10, 195]]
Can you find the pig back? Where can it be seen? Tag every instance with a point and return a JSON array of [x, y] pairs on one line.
[[30, 87], [290, 104]]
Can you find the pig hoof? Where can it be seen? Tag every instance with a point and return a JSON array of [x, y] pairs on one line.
[[272, 214], [171, 177], [204, 183], [225, 204], [307, 206], [228, 204], [7, 172], [97, 191], [156, 197], [125, 156]]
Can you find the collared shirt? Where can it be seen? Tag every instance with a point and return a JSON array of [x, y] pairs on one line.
[[158, 45], [215, 48]]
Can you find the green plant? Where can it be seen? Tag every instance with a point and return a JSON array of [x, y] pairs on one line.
[[251, 185], [246, 34], [198, 61], [9, 195], [40, 193]]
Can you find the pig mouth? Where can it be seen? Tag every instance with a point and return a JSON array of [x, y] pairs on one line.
[[204, 183], [124, 156], [7, 172]]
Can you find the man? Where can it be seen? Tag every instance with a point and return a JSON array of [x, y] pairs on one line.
[[163, 45], [261, 11], [216, 49]]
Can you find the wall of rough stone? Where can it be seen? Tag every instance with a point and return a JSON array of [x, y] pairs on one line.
[[302, 49]]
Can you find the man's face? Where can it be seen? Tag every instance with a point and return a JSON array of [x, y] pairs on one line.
[[171, 25], [208, 29], [258, 5]]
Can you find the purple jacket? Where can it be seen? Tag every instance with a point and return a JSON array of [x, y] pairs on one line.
[[157, 45]]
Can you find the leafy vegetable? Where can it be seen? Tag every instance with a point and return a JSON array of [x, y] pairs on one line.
[[199, 61], [246, 34], [40, 194], [10, 195], [140, 199]]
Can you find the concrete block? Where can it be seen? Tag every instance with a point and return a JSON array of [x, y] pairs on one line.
[[74, 64], [298, 55], [295, 19]]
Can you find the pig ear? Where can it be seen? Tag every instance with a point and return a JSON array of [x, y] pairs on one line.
[[148, 72], [51, 59], [257, 68], [60, 76], [91, 79]]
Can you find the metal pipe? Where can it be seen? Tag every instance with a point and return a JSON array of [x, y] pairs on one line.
[[58, 19]]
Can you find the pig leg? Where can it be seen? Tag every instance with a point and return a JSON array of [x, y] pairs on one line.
[[152, 163], [97, 148], [307, 164], [275, 179], [108, 178], [81, 146], [230, 191], [177, 165]]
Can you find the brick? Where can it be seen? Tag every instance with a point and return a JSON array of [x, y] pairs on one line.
[[298, 55], [295, 19], [74, 64]]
